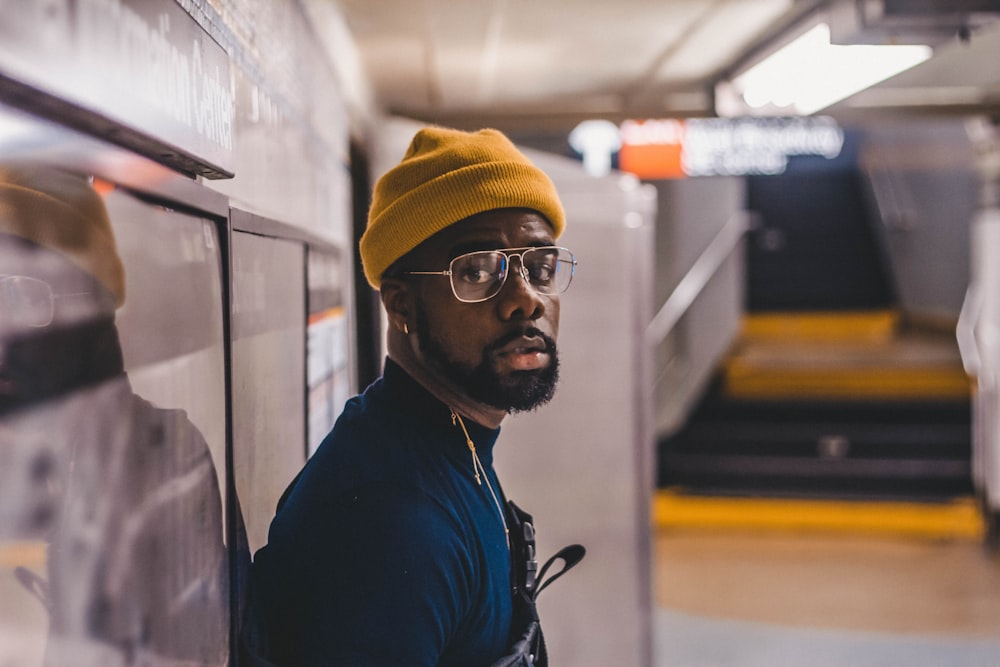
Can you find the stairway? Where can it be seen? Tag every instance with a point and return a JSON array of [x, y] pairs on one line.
[[850, 405]]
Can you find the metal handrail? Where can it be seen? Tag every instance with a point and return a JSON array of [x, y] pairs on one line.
[[697, 277]]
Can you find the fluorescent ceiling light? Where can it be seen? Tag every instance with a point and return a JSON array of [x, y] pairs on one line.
[[810, 74]]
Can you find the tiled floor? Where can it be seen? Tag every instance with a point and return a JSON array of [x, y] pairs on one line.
[[749, 599]]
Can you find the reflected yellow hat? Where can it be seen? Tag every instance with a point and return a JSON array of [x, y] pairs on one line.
[[446, 176], [61, 211]]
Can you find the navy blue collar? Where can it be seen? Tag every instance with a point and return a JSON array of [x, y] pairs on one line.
[[411, 398]]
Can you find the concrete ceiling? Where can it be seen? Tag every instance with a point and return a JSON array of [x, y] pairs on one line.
[[551, 63]]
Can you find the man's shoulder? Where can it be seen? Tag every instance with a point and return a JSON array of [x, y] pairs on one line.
[[364, 458], [374, 440], [377, 513]]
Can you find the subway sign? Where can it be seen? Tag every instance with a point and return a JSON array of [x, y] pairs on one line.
[[670, 148]]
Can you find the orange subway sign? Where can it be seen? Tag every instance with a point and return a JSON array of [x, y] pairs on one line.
[[671, 148]]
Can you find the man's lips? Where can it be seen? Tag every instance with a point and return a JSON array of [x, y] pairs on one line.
[[525, 353]]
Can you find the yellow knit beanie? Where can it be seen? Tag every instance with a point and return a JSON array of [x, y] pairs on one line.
[[446, 176], [61, 211]]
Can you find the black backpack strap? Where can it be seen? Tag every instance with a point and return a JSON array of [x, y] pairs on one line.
[[570, 556], [527, 644], [527, 650], [523, 554]]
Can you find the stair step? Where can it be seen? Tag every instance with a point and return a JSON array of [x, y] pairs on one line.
[[744, 379], [717, 408], [830, 404], [687, 466], [824, 440], [903, 449], [859, 355]]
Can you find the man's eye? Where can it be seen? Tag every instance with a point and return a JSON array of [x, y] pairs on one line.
[[542, 273], [476, 275]]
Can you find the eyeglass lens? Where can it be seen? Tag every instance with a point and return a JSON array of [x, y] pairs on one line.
[[477, 276], [26, 301]]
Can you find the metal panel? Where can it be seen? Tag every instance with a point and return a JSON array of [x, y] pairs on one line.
[[268, 369], [143, 75], [110, 482], [691, 212]]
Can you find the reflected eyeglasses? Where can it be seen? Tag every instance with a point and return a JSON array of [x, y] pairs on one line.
[[27, 301], [478, 276]]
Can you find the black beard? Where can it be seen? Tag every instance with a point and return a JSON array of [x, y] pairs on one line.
[[522, 391]]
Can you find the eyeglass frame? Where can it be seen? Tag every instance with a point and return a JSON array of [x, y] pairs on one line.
[[508, 254]]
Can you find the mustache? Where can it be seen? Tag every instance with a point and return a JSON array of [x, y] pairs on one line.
[[527, 332]]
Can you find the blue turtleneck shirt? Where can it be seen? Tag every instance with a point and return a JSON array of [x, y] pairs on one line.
[[388, 551]]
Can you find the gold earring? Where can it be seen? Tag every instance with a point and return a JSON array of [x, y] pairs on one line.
[[406, 329]]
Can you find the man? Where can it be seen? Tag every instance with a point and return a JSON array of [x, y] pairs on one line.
[[393, 545]]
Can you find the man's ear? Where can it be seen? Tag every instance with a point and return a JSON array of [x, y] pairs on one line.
[[397, 298]]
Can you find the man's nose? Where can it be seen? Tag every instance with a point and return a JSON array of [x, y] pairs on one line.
[[518, 299]]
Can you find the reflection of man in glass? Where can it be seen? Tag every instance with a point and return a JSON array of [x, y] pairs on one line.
[[124, 494]]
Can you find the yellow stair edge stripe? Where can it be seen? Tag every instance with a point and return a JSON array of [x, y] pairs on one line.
[[742, 380], [874, 326], [954, 519]]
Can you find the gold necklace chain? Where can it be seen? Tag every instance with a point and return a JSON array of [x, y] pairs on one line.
[[477, 466]]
